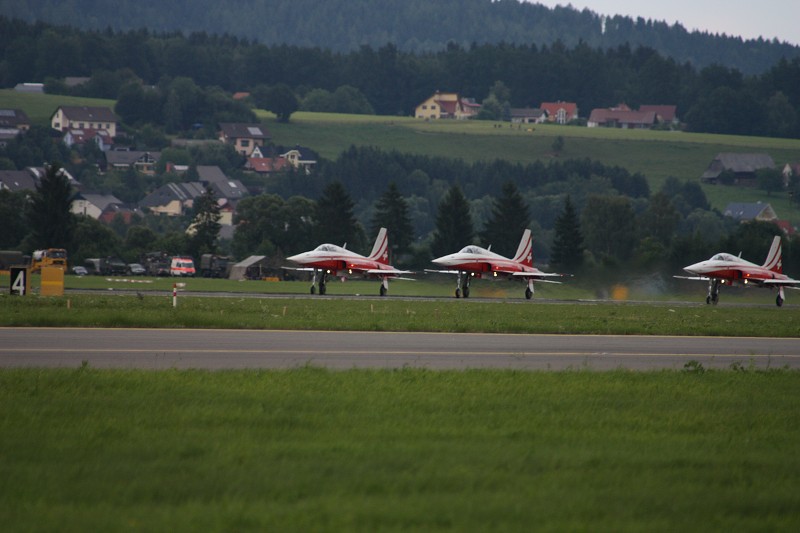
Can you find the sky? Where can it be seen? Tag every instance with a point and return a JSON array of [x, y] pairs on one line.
[[745, 18]]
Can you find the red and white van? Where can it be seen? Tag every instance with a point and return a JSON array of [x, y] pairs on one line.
[[182, 267]]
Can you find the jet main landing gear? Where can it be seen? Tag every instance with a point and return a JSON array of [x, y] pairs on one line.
[[713, 292], [462, 285]]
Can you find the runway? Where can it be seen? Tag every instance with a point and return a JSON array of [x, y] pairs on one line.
[[258, 349]]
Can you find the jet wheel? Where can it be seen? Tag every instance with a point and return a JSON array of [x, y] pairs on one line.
[[528, 294], [383, 291], [708, 300], [313, 289], [779, 301], [466, 292], [322, 289], [458, 293]]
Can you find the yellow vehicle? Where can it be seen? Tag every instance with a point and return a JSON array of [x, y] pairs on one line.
[[55, 257]]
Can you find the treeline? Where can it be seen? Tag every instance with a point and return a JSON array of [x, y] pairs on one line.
[[416, 26], [715, 99]]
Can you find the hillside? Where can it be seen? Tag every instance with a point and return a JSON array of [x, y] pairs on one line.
[[412, 25], [655, 154]]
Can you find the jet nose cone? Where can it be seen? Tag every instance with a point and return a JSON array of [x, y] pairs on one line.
[[693, 269], [441, 260], [295, 258]]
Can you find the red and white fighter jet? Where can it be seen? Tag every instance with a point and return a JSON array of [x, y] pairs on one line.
[[476, 262], [337, 261], [727, 269]]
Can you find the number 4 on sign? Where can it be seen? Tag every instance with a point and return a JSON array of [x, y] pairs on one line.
[[19, 281]]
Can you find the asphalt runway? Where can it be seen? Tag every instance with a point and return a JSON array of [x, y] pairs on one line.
[[256, 349]]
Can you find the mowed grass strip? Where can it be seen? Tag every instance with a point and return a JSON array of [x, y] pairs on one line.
[[409, 450], [397, 315]]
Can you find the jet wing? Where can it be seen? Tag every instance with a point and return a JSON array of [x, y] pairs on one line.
[[536, 276], [301, 269], [456, 272], [782, 283], [696, 278], [386, 272]]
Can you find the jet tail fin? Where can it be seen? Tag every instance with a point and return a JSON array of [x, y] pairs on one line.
[[380, 250], [774, 261], [524, 253]]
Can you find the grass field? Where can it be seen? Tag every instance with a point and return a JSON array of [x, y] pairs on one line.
[[311, 450], [152, 311]]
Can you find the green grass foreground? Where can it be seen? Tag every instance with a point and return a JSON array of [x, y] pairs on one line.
[[397, 315], [408, 450]]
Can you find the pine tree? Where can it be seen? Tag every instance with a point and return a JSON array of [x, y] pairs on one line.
[[51, 221], [454, 228], [391, 212], [336, 223], [510, 217], [206, 224], [567, 250]]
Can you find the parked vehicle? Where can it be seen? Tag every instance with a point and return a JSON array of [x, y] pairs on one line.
[[116, 266], [156, 263], [135, 269], [96, 266], [79, 270], [9, 258], [182, 267], [215, 266], [51, 257]]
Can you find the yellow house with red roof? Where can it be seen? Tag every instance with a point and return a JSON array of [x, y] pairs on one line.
[[447, 105]]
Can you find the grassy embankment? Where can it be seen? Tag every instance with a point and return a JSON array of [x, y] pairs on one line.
[[311, 450], [656, 154]]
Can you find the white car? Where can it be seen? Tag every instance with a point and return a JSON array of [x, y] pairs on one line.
[[79, 271]]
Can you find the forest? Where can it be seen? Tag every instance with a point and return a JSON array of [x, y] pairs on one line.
[[714, 99], [416, 26]]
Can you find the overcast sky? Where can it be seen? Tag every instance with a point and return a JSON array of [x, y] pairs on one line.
[[746, 18]]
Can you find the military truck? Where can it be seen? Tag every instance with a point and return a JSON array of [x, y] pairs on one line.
[[215, 266]]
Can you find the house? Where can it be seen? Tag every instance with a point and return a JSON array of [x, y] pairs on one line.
[[266, 165], [222, 185], [743, 167], [528, 115], [101, 138], [560, 112], [665, 114], [301, 157], [93, 205], [747, 212], [28, 179], [68, 118], [17, 180], [447, 105], [14, 119], [30, 88], [144, 162], [244, 137], [173, 199], [623, 117]]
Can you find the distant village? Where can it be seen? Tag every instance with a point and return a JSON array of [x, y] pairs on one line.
[[99, 125]]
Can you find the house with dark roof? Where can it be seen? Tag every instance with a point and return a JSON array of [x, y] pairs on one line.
[[622, 117], [742, 167], [223, 186], [17, 180], [68, 118], [173, 199], [748, 212], [665, 114], [93, 204], [301, 158], [560, 112], [14, 119], [528, 115], [244, 137], [141, 161], [447, 105]]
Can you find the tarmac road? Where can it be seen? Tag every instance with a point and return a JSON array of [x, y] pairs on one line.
[[239, 349]]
